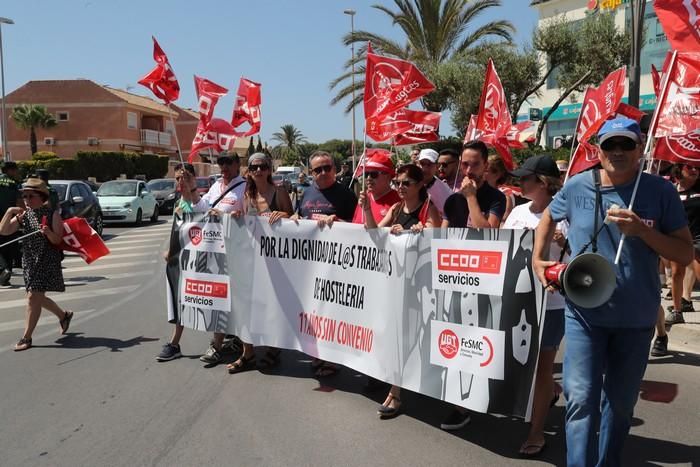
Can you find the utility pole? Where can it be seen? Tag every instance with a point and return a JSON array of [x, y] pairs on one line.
[[637, 9]]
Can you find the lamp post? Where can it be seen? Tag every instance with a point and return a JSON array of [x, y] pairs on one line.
[[637, 10], [351, 13], [5, 152]]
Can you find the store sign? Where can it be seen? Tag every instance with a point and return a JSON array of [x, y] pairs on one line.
[[606, 5]]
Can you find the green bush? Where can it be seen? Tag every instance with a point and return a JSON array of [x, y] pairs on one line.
[[44, 156]]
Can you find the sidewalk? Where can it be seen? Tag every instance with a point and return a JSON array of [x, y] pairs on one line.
[[685, 337]]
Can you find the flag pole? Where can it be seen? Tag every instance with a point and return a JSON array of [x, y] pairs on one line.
[[20, 238], [177, 141], [649, 142]]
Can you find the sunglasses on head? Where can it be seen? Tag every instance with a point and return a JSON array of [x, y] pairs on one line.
[[404, 183], [322, 168], [256, 167], [373, 174], [625, 144]]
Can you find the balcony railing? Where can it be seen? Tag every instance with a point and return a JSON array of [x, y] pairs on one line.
[[155, 138]]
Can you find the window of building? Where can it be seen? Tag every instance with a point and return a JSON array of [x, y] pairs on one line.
[[655, 46], [132, 121], [62, 116]]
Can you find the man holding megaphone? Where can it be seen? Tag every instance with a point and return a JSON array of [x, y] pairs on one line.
[[607, 341]]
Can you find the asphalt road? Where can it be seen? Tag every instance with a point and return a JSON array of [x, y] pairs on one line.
[[97, 397]]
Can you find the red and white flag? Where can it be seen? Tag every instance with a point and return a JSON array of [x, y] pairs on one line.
[[247, 108], [471, 133], [161, 80], [217, 134], [391, 84], [681, 22], [208, 94], [630, 112], [521, 134], [679, 109], [388, 126], [679, 149], [493, 122], [80, 238], [425, 128]]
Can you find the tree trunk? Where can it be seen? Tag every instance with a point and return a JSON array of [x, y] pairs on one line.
[[519, 103], [32, 140], [551, 110]]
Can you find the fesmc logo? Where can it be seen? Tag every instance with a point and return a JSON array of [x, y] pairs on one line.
[[449, 345], [196, 235]]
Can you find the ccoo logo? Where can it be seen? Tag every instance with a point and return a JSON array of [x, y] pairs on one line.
[[448, 344], [195, 235]]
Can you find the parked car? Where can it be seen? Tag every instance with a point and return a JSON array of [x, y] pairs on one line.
[[93, 186], [127, 201], [77, 200], [281, 180], [204, 183], [165, 193]]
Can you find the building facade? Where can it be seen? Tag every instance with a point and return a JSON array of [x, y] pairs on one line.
[[562, 122]]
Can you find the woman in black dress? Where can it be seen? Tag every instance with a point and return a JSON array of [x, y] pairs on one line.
[[41, 261]]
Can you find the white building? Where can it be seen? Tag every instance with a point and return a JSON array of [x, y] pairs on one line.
[[563, 121]]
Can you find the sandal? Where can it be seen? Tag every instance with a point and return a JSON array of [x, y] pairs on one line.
[[538, 448], [242, 364], [327, 369], [23, 344], [270, 359], [65, 322], [385, 412]]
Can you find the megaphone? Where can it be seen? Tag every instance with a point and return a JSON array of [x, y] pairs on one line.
[[588, 280]]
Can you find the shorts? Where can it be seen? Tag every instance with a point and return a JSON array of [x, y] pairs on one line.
[[553, 329]]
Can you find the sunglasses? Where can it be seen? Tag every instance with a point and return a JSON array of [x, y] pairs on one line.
[[373, 174], [323, 168], [256, 167], [404, 183], [445, 164], [625, 144], [426, 163]]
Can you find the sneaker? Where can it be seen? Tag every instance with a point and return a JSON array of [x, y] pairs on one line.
[[674, 317], [660, 347], [455, 420], [211, 356], [5, 276], [169, 352], [687, 306]]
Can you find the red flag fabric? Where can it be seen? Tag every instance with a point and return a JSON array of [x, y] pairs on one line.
[[208, 94], [161, 80], [656, 80], [391, 84], [630, 112], [679, 149], [471, 132], [247, 108], [521, 133], [680, 20], [585, 157], [369, 155], [425, 128], [80, 238], [217, 134], [493, 121], [601, 103], [679, 112], [388, 126]]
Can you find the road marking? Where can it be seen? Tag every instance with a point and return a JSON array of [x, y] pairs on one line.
[[75, 295], [154, 234], [49, 319], [126, 248], [126, 275], [109, 266], [108, 257], [131, 242]]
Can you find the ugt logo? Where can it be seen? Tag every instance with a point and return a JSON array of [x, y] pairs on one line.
[[448, 344], [195, 235]]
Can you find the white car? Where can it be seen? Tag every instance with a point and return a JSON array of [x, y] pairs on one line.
[[127, 201]]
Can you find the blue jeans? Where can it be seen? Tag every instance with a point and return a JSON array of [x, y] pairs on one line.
[[601, 363]]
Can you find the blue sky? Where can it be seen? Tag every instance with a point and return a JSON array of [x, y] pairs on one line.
[[292, 47]]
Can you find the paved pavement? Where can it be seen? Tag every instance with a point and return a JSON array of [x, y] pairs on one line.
[[96, 397]]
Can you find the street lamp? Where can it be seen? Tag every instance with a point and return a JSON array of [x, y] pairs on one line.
[[351, 13], [5, 152], [637, 26]]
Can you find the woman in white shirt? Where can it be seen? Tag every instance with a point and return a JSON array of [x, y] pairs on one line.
[[539, 181]]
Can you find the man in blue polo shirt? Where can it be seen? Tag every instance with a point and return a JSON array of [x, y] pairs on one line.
[[607, 347]]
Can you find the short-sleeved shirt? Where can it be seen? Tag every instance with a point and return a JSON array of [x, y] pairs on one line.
[[336, 199], [9, 193], [233, 201], [380, 207], [635, 301], [439, 191], [490, 200]]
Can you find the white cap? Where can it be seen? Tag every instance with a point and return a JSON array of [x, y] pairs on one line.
[[429, 154]]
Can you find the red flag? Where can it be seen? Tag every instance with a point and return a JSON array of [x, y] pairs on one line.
[[656, 79], [217, 133], [585, 157], [630, 112], [391, 84], [471, 133], [493, 121], [601, 103], [521, 133], [208, 94], [425, 128], [247, 108], [679, 112], [681, 22], [679, 149], [388, 126], [80, 238], [161, 80]]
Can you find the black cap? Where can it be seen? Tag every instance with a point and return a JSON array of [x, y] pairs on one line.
[[227, 158], [537, 165]]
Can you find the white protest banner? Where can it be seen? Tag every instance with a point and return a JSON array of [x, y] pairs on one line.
[[370, 301]]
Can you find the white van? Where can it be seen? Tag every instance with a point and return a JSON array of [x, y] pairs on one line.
[[288, 169]]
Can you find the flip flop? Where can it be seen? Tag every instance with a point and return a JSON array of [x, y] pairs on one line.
[[65, 322], [538, 450], [23, 344], [242, 364]]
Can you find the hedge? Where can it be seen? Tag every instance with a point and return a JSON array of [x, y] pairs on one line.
[[102, 165]]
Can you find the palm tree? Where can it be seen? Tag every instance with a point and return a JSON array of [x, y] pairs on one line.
[[29, 117], [289, 139], [436, 31]]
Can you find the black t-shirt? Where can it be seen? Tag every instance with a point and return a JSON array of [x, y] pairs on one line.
[[691, 203], [336, 199], [490, 199], [9, 193]]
